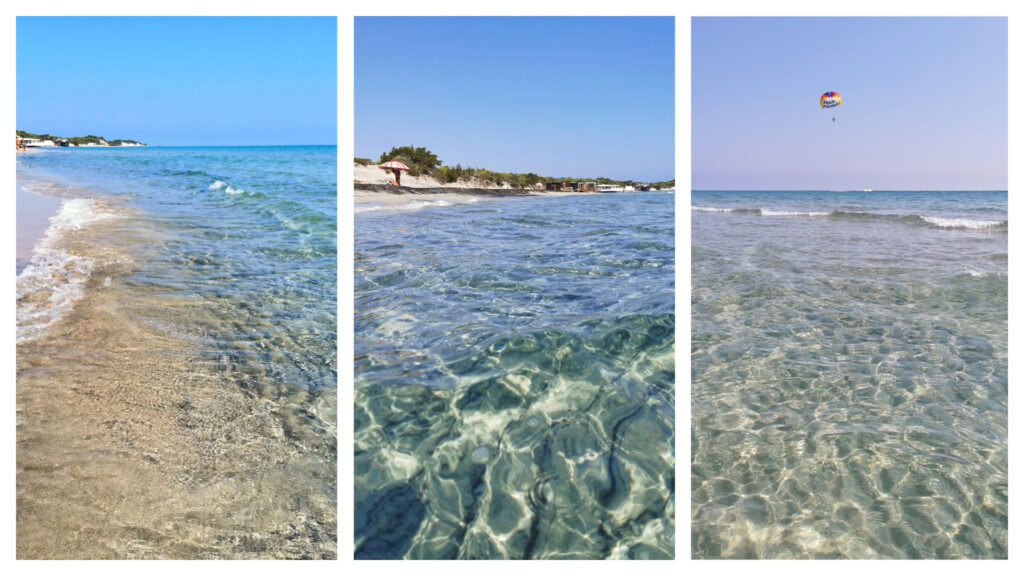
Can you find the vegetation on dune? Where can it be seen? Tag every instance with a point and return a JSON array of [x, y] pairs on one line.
[[424, 162], [419, 160]]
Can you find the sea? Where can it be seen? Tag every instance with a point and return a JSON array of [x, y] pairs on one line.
[[514, 377], [849, 374], [176, 363]]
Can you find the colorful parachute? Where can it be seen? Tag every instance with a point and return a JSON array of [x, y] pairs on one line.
[[831, 100]]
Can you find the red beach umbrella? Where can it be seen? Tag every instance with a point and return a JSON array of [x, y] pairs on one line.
[[396, 168]]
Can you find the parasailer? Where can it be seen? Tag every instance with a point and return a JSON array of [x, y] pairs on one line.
[[831, 100]]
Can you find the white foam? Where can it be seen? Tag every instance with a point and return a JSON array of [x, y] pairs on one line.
[[54, 280], [404, 206], [227, 188], [709, 209], [977, 273], [766, 212], [43, 187], [961, 222]]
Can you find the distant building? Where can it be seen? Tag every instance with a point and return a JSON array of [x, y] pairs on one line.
[[36, 143]]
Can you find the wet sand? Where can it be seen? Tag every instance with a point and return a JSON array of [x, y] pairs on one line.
[[33, 212], [136, 454]]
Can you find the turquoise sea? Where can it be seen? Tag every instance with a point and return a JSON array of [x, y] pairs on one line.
[[184, 300], [849, 374], [514, 374]]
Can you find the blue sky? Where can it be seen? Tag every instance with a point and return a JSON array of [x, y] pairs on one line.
[[924, 103], [578, 97], [179, 81]]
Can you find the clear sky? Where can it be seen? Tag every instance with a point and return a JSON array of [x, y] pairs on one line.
[[924, 103], [577, 97], [179, 81]]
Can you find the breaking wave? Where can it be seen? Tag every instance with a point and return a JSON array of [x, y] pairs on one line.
[[911, 219], [55, 279]]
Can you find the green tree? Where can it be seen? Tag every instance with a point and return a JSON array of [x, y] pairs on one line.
[[423, 158]]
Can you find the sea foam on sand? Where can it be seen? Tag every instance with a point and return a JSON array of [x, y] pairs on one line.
[[55, 278]]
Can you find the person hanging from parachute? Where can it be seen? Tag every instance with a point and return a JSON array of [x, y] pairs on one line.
[[831, 100]]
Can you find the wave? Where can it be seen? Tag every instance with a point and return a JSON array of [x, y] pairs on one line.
[[963, 222], [968, 271], [766, 212], [227, 188], [911, 219], [55, 279], [711, 209], [410, 206]]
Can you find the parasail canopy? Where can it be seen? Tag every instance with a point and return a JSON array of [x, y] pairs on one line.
[[831, 100]]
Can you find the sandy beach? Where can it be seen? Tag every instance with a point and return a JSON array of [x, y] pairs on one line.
[[374, 175], [371, 191]]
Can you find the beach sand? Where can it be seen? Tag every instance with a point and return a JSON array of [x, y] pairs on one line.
[[33, 213], [137, 453], [374, 175]]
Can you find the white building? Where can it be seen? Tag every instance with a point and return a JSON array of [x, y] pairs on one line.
[[36, 143]]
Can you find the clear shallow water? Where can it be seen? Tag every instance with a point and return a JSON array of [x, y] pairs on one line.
[[849, 366], [514, 378], [191, 292]]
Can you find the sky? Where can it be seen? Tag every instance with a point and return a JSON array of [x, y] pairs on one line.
[[179, 80], [924, 103], [575, 97]]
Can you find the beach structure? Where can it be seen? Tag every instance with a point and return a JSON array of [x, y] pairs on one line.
[[396, 168], [35, 143], [560, 186]]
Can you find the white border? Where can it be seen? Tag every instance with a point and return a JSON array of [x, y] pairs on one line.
[[345, 11]]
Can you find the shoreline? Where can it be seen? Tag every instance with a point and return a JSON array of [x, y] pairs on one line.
[[133, 440], [398, 190], [395, 194], [33, 212], [375, 197]]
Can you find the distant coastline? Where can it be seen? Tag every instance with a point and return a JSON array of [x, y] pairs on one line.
[[423, 169], [25, 139]]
